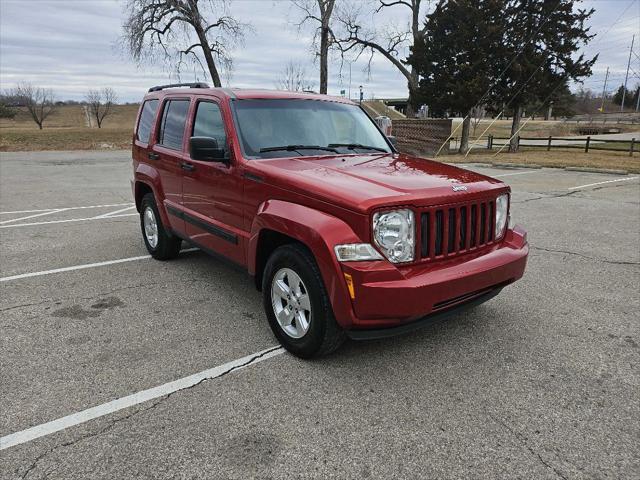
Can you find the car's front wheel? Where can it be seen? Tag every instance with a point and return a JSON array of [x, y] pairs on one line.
[[159, 242], [297, 305]]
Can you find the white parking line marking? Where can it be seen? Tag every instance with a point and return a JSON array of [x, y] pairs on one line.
[[32, 224], [50, 212], [98, 411], [82, 267], [602, 183], [68, 208], [75, 267], [515, 173], [111, 214], [122, 215]]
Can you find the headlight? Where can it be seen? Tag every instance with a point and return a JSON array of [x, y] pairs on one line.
[[502, 208], [393, 233], [356, 252]]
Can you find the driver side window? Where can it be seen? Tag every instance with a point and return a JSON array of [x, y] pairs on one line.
[[209, 123]]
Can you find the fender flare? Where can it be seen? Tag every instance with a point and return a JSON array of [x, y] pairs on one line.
[[147, 175], [319, 232]]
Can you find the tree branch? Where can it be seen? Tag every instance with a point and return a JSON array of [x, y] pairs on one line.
[[384, 4]]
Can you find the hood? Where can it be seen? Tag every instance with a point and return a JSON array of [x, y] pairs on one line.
[[363, 182]]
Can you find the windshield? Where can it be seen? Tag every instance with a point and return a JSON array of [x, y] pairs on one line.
[[293, 127]]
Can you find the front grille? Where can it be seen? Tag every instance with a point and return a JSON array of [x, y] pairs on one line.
[[451, 230]]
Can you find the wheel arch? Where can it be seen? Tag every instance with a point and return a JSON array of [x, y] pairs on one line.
[[279, 222], [147, 180], [141, 189], [269, 240]]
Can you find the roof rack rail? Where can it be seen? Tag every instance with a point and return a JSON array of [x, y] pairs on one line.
[[176, 85]]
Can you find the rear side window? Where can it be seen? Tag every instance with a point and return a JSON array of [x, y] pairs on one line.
[[146, 120], [209, 123], [172, 126]]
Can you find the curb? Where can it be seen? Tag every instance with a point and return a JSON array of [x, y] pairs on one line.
[[597, 170], [482, 165], [517, 165]]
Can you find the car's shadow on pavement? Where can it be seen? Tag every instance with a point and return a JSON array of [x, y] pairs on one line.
[[453, 335]]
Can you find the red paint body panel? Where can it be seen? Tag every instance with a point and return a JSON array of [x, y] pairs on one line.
[[387, 296], [323, 201]]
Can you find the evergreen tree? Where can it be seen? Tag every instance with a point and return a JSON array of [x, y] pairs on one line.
[[629, 97], [636, 96], [456, 59], [542, 37], [6, 111]]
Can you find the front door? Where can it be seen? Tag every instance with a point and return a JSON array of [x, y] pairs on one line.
[[212, 191]]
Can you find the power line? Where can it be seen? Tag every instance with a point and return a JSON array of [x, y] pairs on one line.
[[504, 70], [560, 83], [564, 77]]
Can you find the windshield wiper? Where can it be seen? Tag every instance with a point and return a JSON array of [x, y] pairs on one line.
[[293, 148], [353, 146]]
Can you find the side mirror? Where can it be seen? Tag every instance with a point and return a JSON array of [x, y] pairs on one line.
[[206, 149]]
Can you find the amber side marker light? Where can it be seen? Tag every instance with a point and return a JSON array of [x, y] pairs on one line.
[[349, 280]]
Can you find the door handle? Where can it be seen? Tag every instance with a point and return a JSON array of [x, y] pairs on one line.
[[153, 156], [189, 167]]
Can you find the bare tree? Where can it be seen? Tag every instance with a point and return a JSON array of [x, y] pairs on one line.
[[179, 30], [294, 78], [40, 102], [391, 41], [477, 114], [319, 11], [100, 103]]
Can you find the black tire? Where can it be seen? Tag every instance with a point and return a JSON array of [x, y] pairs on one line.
[[168, 245], [324, 335]]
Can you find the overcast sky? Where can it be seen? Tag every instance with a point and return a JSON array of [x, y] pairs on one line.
[[71, 46]]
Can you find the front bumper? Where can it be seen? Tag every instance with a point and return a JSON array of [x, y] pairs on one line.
[[436, 317], [390, 297]]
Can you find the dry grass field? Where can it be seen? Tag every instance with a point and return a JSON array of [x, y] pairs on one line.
[[555, 158], [66, 129]]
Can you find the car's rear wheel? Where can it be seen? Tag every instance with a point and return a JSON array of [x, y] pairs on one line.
[[159, 242], [297, 305]]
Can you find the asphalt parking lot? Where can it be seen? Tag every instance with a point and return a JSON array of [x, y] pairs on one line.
[[541, 382]]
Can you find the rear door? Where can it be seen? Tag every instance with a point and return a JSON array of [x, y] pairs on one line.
[[213, 190], [170, 157]]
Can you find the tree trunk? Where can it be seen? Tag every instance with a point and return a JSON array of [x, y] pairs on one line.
[[464, 136], [213, 71], [515, 126], [411, 108], [324, 54], [40, 126], [412, 101]]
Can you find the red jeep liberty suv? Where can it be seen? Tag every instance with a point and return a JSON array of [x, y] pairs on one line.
[[345, 236]]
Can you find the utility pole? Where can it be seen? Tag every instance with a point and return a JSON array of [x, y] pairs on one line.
[[638, 101], [604, 90], [624, 92]]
